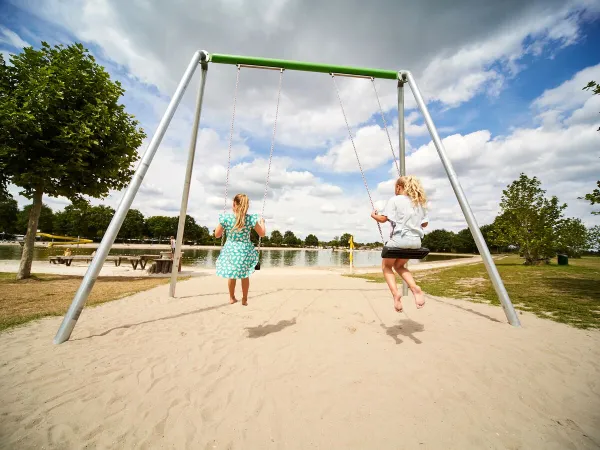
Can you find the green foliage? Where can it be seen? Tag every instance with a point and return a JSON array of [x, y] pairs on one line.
[[464, 242], [572, 237], [439, 241], [276, 238], [345, 240], [134, 225], [290, 239], [311, 241], [9, 211], [45, 222], [593, 235], [62, 128], [529, 220], [161, 227]]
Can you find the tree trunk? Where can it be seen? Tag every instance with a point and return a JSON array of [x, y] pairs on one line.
[[27, 255]]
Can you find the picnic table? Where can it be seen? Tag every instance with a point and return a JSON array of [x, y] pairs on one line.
[[67, 260], [140, 260], [164, 264], [135, 261]]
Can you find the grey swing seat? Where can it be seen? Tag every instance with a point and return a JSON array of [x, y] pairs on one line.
[[404, 253]]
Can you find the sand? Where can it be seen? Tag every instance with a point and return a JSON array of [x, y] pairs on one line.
[[316, 360]]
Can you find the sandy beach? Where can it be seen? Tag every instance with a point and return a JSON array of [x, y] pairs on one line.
[[316, 360]]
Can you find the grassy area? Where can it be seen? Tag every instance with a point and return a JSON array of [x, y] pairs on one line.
[[568, 294], [50, 295]]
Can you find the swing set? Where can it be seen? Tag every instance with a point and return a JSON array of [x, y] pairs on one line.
[[203, 58]]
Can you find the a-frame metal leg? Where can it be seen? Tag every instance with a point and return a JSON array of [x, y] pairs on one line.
[[509, 309]]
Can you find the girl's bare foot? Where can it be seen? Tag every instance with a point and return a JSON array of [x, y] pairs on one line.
[[232, 300], [245, 302], [398, 302], [419, 297]]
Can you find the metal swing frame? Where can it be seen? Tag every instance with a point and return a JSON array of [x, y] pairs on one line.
[[202, 59]]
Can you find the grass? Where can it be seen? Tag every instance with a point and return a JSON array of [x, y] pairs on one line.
[[567, 294], [50, 295]]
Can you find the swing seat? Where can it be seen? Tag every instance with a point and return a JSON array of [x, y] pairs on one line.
[[404, 253]]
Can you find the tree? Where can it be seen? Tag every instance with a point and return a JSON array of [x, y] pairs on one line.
[[530, 220], [276, 238], [464, 241], [311, 241], [73, 220], [572, 237], [133, 226], [594, 238], [290, 239], [9, 211], [62, 130], [45, 221], [99, 218], [161, 226], [345, 240], [439, 241]]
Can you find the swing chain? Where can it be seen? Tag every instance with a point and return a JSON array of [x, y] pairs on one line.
[[386, 128], [355, 152], [262, 213], [237, 82]]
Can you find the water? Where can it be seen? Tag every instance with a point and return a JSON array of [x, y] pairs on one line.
[[206, 258]]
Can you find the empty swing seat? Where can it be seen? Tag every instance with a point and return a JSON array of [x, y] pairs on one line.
[[404, 253]]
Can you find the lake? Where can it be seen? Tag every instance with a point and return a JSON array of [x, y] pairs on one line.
[[206, 258]]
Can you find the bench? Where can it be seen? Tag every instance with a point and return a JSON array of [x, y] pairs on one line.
[[67, 260]]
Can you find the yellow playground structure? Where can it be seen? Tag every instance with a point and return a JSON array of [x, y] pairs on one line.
[[69, 240]]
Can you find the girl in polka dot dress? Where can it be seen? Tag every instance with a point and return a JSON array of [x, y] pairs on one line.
[[238, 257]]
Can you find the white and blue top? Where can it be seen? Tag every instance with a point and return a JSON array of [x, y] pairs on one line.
[[405, 218]]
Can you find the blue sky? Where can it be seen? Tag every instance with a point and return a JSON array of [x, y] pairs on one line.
[[506, 97]]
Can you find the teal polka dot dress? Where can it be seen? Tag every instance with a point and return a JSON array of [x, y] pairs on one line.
[[238, 256]]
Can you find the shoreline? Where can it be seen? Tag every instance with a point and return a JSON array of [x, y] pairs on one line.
[[125, 270], [216, 247]]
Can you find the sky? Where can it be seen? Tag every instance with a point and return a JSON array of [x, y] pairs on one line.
[[502, 81]]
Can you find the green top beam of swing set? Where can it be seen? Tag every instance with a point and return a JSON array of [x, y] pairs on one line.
[[304, 66]]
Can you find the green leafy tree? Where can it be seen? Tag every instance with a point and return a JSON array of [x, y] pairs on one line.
[[62, 130], [9, 212], [134, 226], [311, 241], [161, 227], [529, 220], [290, 239], [594, 238], [73, 220], [276, 238], [45, 221], [345, 240], [439, 241], [99, 218], [464, 242], [572, 237]]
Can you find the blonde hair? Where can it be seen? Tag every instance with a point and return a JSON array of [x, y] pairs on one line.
[[242, 203], [413, 188]]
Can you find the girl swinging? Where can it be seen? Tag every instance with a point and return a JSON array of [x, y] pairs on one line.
[[407, 216], [238, 257]]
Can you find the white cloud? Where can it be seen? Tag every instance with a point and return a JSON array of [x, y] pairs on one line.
[[467, 50], [11, 38], [569, 94], [372, 145]]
